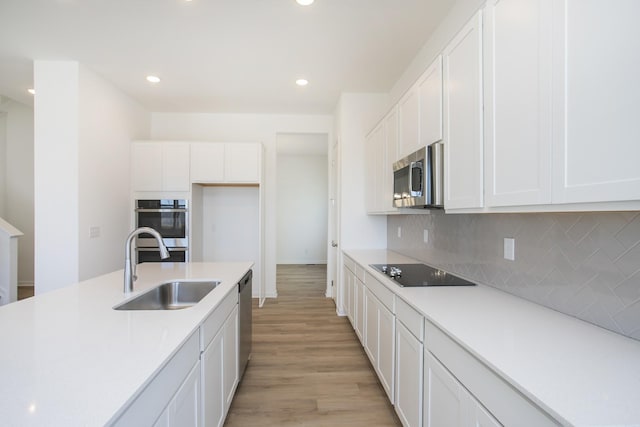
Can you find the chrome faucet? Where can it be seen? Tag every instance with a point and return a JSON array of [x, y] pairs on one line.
[[129, 273]]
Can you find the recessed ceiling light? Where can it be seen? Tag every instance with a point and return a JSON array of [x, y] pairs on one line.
[[302, 82], [304, 2], [153, 79], [31, 91]]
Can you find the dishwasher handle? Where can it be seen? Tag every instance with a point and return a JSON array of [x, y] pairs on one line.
[[245, 280]]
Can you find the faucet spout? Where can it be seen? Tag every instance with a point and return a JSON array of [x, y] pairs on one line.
[[129, 276]]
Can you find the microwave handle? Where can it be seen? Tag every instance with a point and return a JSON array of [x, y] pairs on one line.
[[412, 166]]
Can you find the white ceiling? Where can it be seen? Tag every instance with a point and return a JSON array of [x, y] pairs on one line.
[[220, 55]]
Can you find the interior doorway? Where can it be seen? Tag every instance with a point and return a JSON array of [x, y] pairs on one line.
[[301, 199]]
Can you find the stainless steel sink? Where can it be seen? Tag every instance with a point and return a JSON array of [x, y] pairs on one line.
[[170, 296]]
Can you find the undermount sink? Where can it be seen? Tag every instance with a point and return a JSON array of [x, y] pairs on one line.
[[173, 295]]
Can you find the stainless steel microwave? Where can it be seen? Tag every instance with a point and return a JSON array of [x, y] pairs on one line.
[[418, 179]]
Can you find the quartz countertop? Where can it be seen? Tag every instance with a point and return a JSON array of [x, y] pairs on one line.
[[577, 372], [68, 359]]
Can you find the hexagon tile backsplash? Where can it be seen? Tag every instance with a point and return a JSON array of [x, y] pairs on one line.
[[583, 264]]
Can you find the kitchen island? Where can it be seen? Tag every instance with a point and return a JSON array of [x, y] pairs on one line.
[[519, 363], [68, 358]]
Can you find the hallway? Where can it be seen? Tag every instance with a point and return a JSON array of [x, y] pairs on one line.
[[308, 367]]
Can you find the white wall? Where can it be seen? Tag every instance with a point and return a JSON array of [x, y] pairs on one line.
[[18, 179], [302, 195], [244, 128], [356, 115], [109, 121], [56, 174], [230, 224], [3, 158], [83, 126]]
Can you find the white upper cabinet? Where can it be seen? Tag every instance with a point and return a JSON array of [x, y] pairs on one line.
[[462, 70], [597, 140], [242, 162], [518, 102], [380, 152], [430, 96], [409, 122], [160, 166], [207, 162], [215, 163]]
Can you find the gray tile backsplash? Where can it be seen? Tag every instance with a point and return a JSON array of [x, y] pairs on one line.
[[583, 264]]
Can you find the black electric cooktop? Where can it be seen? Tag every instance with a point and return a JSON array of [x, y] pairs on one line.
[[419, 275]]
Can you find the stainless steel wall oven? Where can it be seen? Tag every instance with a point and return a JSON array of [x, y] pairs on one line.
[[170, 217]]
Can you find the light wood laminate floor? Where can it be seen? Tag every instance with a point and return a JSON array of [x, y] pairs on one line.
[[308, 367]]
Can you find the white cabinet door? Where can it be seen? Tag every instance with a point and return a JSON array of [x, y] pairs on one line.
[[447, 402], [243, 162], [386, 349], [462, 69], [230, 344], [207, 162], [146, 166], [160, 166], [184, 409], [409, 122], [360, 309], [518, 102], [371, 327], [220, 372], [430, 93], [374, 155], [596, 145], [391, 155], [213, 382], [175, 166], [347, 288], [409, 366]]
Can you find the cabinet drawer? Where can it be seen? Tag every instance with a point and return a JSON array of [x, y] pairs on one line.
[[500, 398], [381, 292], [214, 322], [410, 318], [349, 263]]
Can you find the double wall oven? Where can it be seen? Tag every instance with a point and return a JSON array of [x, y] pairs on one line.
[[170, 217]]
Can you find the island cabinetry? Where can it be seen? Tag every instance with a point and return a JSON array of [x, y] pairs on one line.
[[462, 72], [457, 386], [380, 331], [219, 360], [409, 352], [172, 398], [220, 163], [160, 166]]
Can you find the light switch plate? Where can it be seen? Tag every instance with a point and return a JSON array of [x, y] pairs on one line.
[[399, 232], [509, 248], [94, 232]]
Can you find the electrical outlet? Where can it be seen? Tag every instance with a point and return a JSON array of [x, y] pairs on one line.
[[94, 232], [399, 232], [426, 236], [509, 248]]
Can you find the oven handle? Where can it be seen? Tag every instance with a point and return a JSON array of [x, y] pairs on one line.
[[155, 249], [160, 210]]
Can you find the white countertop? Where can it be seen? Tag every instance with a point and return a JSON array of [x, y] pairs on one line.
[[68, 359], [579, 373]]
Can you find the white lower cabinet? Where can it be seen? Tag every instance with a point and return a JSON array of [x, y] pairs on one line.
[[447, 403], [184, 408], [219, 361], [409, 338], [359, 295], [379, 340], [172, 397]]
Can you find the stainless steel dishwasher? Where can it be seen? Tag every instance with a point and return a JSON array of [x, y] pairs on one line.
[[245, 323]]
